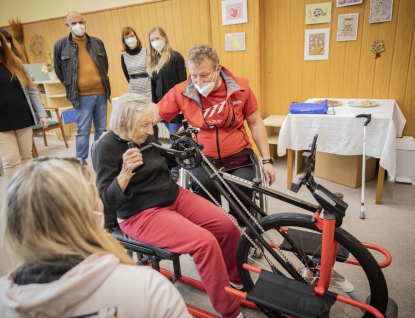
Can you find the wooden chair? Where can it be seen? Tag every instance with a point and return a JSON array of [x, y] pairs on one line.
[[37, 129]]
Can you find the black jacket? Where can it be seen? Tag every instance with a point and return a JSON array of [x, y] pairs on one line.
[[171, 74], [151, 186], [66, 64]]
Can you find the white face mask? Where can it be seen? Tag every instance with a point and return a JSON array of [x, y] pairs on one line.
[[98, 214], [9, 45], [78, 29], [131, 42], [206, 88], [158, 45]]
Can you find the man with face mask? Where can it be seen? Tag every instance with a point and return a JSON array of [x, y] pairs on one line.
[[218, 103], [81, 64]]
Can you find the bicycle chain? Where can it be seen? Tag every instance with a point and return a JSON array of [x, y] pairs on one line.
[[245, 210]]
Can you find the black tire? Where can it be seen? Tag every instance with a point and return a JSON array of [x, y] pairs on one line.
[[368, 278]]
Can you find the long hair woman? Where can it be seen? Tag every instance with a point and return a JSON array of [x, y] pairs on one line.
[[166, 68], [70, 267], [10, 43], [20, 109]]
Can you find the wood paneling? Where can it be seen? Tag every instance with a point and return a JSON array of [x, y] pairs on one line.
[[351, 70]]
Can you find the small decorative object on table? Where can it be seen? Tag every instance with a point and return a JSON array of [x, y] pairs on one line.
[[49, 68], [377, 47]]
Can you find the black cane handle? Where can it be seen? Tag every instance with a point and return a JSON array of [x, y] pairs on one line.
[[367, 116]]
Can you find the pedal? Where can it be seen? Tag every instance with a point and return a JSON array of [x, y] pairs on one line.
[[280, 294], [311, 243]]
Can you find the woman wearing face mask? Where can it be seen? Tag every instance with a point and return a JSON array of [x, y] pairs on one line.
[[166, 68], [20, 108], [133, 62], [69, 266], [10, 43]]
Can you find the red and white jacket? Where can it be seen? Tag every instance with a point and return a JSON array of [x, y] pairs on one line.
[[219, 142]]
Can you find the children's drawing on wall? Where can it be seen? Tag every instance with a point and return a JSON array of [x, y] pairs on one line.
[[234, 12], [347, 27], [235, 41], [318, 13], [344, 3], [317, 44], [380, 11]]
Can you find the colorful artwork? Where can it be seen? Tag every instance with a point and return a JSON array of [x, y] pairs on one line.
[[347, 27], [344, 3], [380, 11], [234, 12], [318, 13], [317, 44], [377, 48], [235, 41]]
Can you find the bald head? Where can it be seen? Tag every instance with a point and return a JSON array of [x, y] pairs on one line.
[[73, 14], [76, 23]]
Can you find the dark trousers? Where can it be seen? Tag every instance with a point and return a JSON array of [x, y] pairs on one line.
[[247, 173]]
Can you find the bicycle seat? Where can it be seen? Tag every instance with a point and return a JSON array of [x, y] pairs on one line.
[[330, 202], [129, 243]]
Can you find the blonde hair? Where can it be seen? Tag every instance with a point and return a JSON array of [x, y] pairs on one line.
[[199, 52], [47, 214], [127, 111], [155, 60]]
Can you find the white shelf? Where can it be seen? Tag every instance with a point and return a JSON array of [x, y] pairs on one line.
[[57, 96], [273, 139]]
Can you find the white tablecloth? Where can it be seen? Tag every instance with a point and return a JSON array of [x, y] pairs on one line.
[[342, 133]]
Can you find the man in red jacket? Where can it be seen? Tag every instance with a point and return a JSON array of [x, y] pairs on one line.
[[218, 103]]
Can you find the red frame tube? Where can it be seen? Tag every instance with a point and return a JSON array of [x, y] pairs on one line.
[[199, 312], [385, 263], [328, 252]]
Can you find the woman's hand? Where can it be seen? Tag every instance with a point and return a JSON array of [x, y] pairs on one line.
[[44, 122], [269, 172], [132, 158]]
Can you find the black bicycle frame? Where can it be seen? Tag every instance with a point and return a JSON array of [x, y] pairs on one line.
[[291, 200]]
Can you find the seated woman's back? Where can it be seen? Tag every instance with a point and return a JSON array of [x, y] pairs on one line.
[[70, 266]]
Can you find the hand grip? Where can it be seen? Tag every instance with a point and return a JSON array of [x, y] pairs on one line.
[[367, 116]]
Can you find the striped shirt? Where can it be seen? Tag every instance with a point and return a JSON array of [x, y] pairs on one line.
[[136, 67]]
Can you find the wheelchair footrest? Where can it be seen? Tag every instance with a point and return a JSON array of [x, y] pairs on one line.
[[310, 242], [280, 294]]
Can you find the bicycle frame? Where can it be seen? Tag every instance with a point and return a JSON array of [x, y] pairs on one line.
[[326, 225]]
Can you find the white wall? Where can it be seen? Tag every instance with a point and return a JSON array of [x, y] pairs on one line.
[[35, 10]]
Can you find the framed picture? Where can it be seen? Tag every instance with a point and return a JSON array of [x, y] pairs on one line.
[[347, 27], [318, 13], [380, 11], [234, 12], [344, 3], [235, 41], [316, 46]]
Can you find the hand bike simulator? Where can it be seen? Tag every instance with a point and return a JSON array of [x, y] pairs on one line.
[[311, 267]]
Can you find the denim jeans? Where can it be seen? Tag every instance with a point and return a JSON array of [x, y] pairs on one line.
[[173, 128], [93, 107]]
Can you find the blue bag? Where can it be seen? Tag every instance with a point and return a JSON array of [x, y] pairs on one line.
[[310, 108]]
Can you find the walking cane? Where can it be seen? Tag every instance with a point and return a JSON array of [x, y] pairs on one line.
[[362, 207]]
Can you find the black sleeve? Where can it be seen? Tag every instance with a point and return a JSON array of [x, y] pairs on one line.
[[153, 90], [124, 68], [180, 68], [107, 170], [57, 60]]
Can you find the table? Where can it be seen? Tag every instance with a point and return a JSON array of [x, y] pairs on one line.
[[342, 134]]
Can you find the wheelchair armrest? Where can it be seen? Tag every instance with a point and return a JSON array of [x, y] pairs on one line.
[[136, 246]]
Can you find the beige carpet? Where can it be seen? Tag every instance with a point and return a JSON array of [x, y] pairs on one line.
[[390, 225]]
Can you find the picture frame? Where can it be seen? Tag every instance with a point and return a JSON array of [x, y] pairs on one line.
[[318, 13], [380, 11], [234, 12], [235, 42], [347, 27], [317, 44], [345, 3]]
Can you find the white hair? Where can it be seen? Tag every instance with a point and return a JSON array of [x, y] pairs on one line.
[[127, 111]]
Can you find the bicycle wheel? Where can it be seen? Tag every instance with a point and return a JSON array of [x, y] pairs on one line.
[[367, 279]]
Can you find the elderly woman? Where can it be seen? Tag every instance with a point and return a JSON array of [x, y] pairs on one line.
[[70, 266], [151, 208]]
